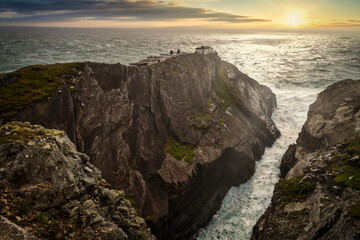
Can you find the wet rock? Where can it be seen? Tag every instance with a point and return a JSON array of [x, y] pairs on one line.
[[319, 196]]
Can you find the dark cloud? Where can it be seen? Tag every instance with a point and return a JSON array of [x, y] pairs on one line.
[[66, 10]]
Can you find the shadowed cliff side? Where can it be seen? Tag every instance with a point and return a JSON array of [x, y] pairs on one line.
[[318, 195], [175, 135]]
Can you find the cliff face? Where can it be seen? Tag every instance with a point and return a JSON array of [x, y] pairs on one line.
[[51, 191], [318, 197], [175, 135]]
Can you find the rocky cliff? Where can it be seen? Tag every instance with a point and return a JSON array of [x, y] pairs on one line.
[[318, 194], [175, 135], [48, 190]]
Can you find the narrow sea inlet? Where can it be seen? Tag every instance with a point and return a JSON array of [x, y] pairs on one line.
[[296, 66]]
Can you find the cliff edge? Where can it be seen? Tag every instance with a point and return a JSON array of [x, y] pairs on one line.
[[318, 194], [174, 135]]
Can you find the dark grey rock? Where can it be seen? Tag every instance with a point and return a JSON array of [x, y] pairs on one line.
[[322, 158]]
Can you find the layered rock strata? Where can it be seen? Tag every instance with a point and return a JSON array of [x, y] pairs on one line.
[[318, 196], [51, 191], [175, 135]]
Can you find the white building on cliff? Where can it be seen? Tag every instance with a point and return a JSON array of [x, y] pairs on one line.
[[204, 50]]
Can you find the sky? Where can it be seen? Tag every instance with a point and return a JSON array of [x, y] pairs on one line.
[[181, 13]]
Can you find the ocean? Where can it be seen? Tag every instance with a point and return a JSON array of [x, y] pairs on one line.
[[295, 64]]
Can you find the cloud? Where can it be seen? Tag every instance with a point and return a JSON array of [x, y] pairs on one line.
[[137, 10]]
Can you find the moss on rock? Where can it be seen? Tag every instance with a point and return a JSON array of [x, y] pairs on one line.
[[345, 164], [296, 190], [35, 83], [224, 89], [24, 132], [179, 151], [355, 210]]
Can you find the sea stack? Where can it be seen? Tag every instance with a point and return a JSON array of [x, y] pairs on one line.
[[175, 135]]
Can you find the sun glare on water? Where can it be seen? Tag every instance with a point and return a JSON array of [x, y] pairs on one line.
[[295, 18]]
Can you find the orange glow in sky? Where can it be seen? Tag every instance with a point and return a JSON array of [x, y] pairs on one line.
[[183, 13]]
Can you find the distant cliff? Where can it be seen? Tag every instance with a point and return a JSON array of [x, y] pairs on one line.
[[318, 196], [174, 135]]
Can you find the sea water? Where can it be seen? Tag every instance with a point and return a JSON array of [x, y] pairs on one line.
[[295, 64]]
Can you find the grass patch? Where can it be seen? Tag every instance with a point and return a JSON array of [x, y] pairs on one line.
[[42, 217], [350, 176], [149, 219], [294, 190], [23, 206], [35, 83], [24, 132], [355, 210], [346, 170], [352, 147], [201, 121], [224, 89], [178, 150]]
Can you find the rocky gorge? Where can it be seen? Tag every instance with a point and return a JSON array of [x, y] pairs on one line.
[[175, 136], [318, 194]]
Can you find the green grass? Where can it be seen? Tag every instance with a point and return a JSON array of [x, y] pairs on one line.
[[350, 176], [355, 210], [23, 206], [35, 83], [294, 190], [345, 171], [149, 218], [201, 120], [224, 89], [24, 132], [352, 147], [179, 151], [42, 217]]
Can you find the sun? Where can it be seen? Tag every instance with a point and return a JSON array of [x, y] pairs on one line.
[[295, 17]]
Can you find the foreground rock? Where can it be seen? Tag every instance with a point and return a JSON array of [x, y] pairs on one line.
[[174, 135], [51, 191], [319, 195]]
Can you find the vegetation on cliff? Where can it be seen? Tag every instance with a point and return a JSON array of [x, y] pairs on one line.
[[19, 132], [295, 189], [179, 151], [346, 171], [225, 89], [35, 83]]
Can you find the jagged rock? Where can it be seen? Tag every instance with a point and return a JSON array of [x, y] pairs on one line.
[[175, 135], [333, 117], [318, 198], [60, 183], [11, 231]]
